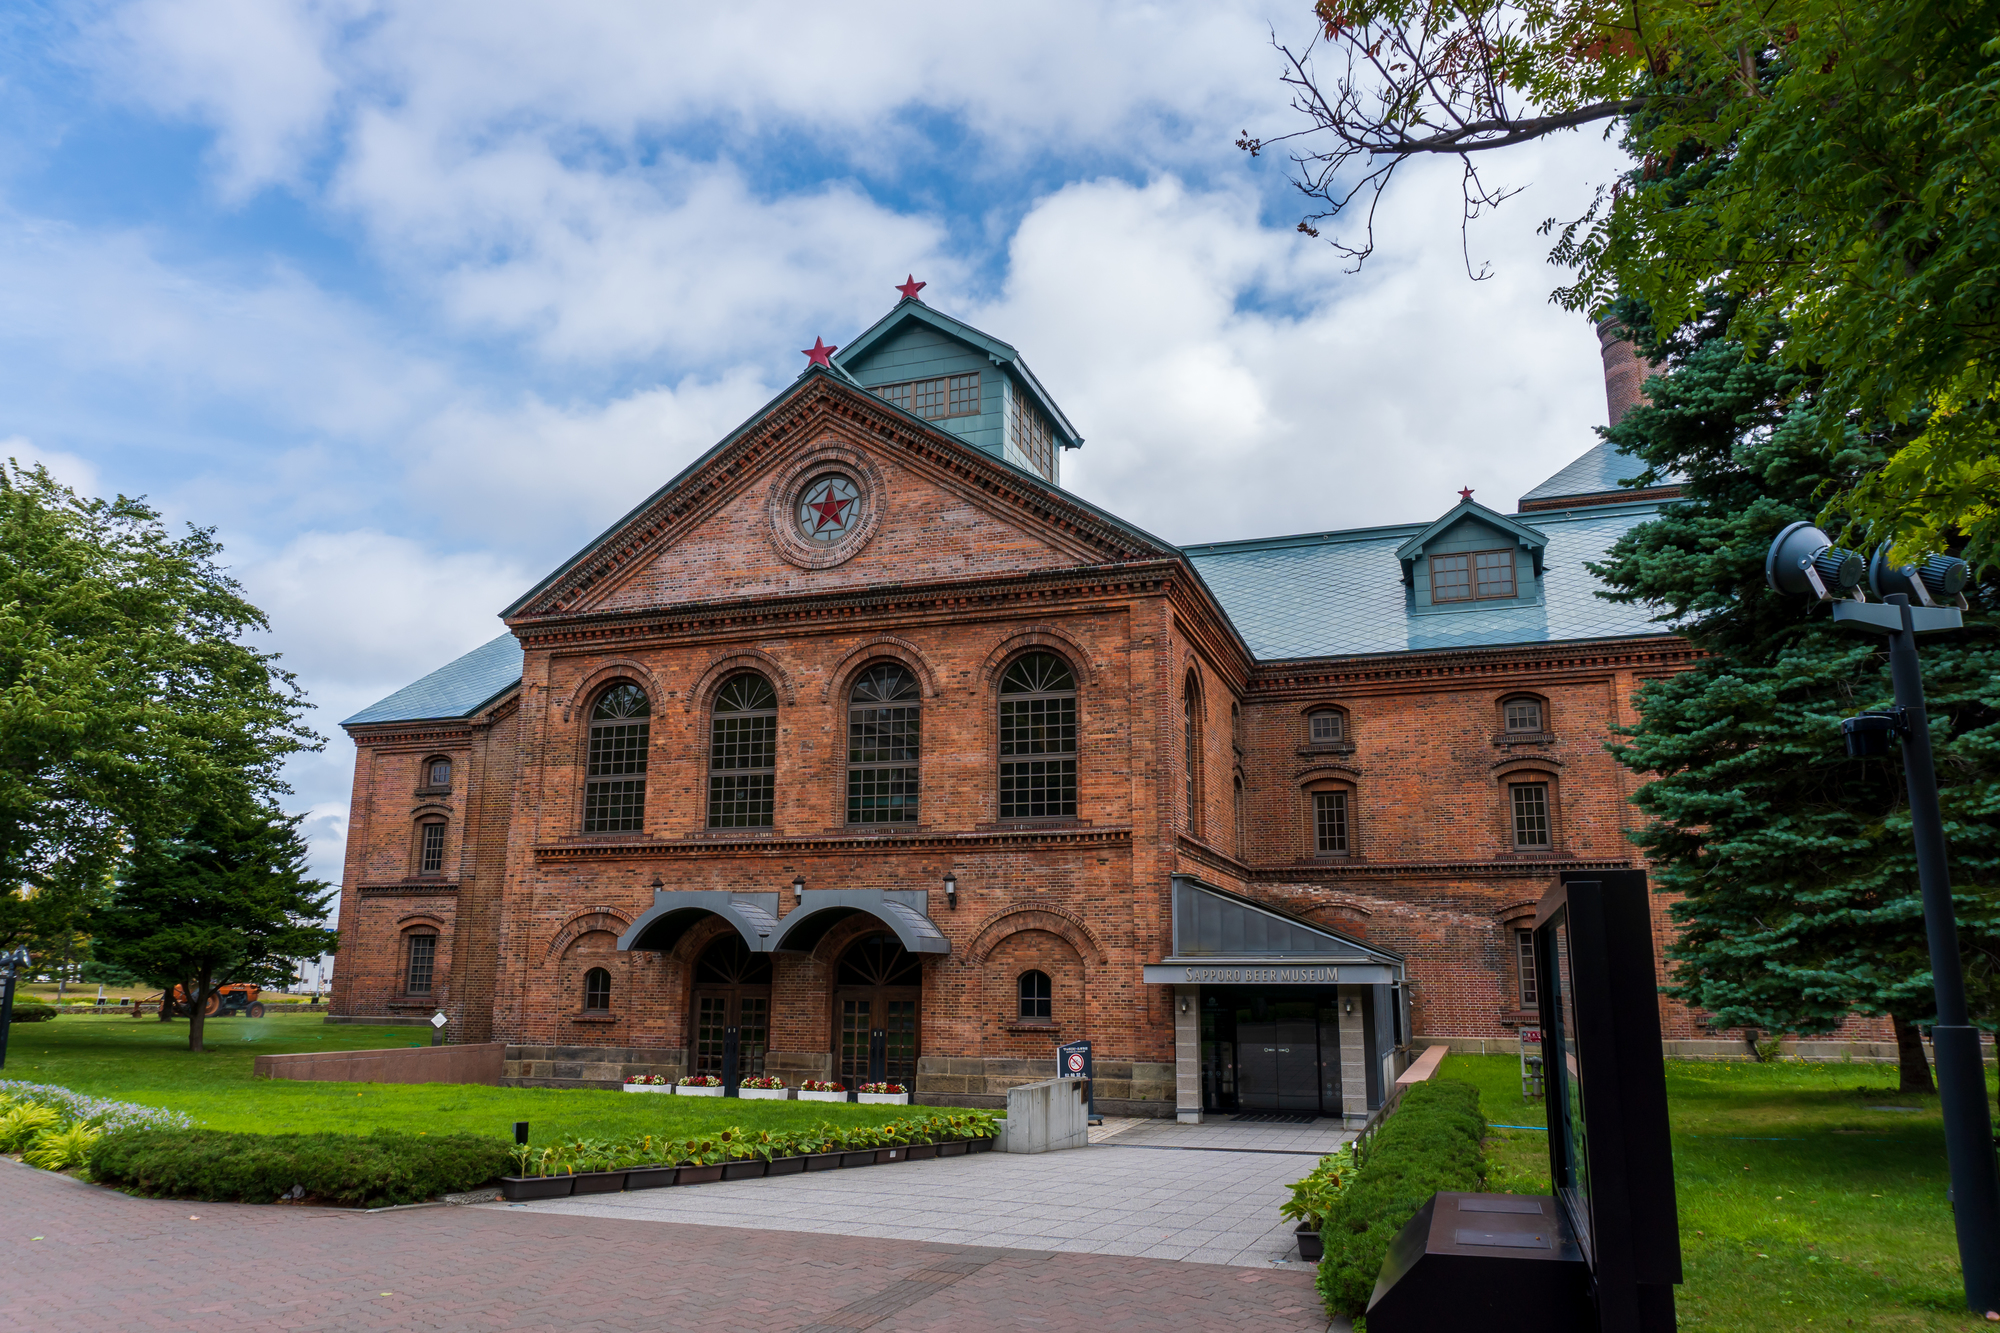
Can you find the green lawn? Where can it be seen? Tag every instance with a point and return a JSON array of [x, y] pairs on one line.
[[146, 1061], [1801, 1206]]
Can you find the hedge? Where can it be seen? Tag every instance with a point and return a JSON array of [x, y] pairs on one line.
[[30, 1012], [370, 1170], [1430, 1143]]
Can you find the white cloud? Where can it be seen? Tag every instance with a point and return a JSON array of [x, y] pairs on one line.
[[77, 473]]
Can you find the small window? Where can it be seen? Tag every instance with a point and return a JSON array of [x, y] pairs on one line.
[[1531, 815], [1326, 728], [1472, 575], [1524, 716], [422, 964], [1028, 430], [597, 990], [430, 849], [438, 773], [1524, 956], [953, 396], [1330, 823], [1036, 1005]]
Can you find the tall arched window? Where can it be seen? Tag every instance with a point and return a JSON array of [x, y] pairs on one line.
[[1038, 739], [743, 755], [1241, 841], [882, 742], [1191, 718], [597, 989], [614, 786]]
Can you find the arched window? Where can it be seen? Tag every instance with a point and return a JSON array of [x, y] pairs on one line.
[[1528, 803], [614, 787], [882, 742], [1326, 726], [743, 755], [436, 773], [1036, 1006], [1236, 726], [1242, 841], [597, 990], [430, 847], [419, 961], [1523, 715], [1038, 739], [1191, 729]]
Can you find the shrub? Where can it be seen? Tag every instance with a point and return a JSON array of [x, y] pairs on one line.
[[370, 1170], [102, 1112], [61, 1149], [1313, 1198], [30, 1012], [20, 1124], [1431, 1143]]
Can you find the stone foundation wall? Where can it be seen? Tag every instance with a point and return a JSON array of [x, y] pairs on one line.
[[536, 1066], [1124, 1087]]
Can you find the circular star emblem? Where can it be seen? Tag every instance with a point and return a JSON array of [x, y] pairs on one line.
[[830, 508]]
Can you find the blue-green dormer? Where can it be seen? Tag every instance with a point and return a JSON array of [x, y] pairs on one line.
[[1473, 559], [964, 381]]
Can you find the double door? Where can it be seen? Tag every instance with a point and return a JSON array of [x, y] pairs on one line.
[[878, 1037], [720, 1008], [1270, 1051]]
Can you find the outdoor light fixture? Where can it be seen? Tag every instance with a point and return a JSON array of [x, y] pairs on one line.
[[798, 887], [1183, 1004], [1347, 1006], [11, 967], [951, 890], [658, 884], [1801, 559]]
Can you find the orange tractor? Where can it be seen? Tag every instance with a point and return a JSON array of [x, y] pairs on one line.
[[238, 998]]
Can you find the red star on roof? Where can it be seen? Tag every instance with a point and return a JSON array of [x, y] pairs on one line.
[[819, 354], [830, 510], [909, 287], [1465, 493]]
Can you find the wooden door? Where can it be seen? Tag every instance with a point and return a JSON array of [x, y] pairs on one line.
[[877, 1013]]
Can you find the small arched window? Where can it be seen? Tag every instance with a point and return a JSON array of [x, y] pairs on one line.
[[430, 847], [614, 787], [1037, 1006], [743, 755], [1522, 716], [1326, 726], [882, 746], [597, 990], [1038, 739], [1191, 757], [437, 773]]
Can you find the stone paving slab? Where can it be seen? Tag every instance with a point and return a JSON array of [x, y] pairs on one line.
[[1208, 1206], [80, 1259], [1319, 1138]]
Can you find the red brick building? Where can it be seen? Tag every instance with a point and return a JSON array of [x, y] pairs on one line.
[[861, 749]]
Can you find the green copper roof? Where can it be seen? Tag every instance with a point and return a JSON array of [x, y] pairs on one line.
[[1602, 470], [457, 689]]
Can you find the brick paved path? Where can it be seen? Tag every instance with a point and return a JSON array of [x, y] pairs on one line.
[[108, 1262]]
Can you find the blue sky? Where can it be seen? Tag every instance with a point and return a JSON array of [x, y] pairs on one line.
[[409, 300]]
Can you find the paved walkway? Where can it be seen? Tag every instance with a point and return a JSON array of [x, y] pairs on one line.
[[80, 1259], [1215, 1201]]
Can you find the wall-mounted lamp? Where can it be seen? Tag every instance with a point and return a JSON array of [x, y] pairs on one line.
[[658, 884], [1183, 1004], [951, 890], [798, 887], [1347, 1006]]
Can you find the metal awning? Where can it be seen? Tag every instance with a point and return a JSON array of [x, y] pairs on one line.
[[904, 911], [676, 911], [1223, 938]]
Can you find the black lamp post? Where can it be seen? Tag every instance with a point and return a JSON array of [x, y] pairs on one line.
[[10, 967], [1802, 560]]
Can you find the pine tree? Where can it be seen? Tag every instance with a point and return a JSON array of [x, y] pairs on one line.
[[226, 899], [1793, 865]]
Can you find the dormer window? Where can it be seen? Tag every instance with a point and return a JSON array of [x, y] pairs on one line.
[[952, 396], [1472, 576]]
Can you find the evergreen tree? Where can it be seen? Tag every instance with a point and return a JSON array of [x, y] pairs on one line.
[[227, 899], [1794, 866]]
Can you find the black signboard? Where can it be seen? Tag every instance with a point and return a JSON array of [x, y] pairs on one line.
[[1073, 1061]]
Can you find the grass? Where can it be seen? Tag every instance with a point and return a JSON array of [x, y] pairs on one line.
[[1801, 1206], [147, 1061]]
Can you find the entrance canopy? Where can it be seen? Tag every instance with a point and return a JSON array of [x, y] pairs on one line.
[[1223, 938], [675, 912], [904, 911]]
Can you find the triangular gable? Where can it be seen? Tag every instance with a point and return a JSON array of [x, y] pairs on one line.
[[1533, 540], [820, 402], [1214, 923]]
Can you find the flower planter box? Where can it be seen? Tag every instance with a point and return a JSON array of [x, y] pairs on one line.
[[700, 1175], [765, 1094], [752, 1169], [514, 1188], [883, 1098], [921, 1152], [979, 1145], [651, 1177], [956, 1148], [805, 1096], [1311, 1248], [667, 1088], [866, 1157], [884, 1156], [785, 1166], [598, 1182], [682, 1090], [823, 1161]]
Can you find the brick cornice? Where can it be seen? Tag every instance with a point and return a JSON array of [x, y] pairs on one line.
[[657, 849], [410, 888], [1303, 872], [1498, 666], [415, 735]]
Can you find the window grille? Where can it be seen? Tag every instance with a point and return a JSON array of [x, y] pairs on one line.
[[1472, 575], [1524, 715], [614, 789], [882, 747], [1191, 740], [430, 855], [422, 963], [952, 396], [1029, 432], [743, 755], [597, 989], [1531, 814], [1493, 572], [1330, 823], [1326, 728], [1038, 739], [440, 773], [1036, 1005], [1524, 953]]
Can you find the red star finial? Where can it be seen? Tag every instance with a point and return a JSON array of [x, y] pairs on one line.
[[909, 287], [819, 354], [1465, 493]]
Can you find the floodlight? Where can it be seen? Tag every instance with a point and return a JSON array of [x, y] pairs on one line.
[[1871, 734], [1803, 561], [1933, 579]]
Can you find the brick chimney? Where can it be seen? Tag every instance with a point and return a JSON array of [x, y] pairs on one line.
[[1624, 371]]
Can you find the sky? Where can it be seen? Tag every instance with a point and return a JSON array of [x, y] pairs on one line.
[[408, 301]]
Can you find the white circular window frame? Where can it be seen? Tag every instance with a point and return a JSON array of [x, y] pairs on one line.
[[781, 505]]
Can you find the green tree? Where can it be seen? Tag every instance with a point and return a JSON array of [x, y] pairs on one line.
[[226, 899], [1848, 192], [126, 693], [1798, 897]]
